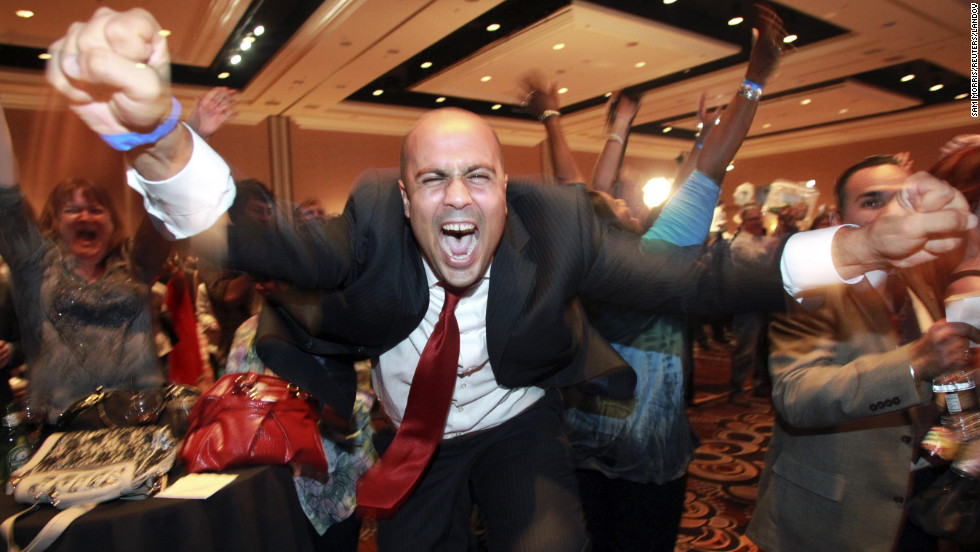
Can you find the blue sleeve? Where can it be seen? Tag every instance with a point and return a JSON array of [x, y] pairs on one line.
[[686, 218]]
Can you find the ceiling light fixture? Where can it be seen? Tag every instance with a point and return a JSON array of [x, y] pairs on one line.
[[377, 92], [668, 2], [46, 55], [656, 191], [735, 21], [440, 99], [485, 78], [639, 64], [667, 129], [493, 27], [26, 14], [426, 64], [562, 90], [936, 87], [246, 44], [235, 59], [730, 167], [811, 183], [842, 111], [908, 77], [806, 101], [767, 125], [958, 96], [495, 107], [224, 75], [258, 31], [558, 46], [789, 38]]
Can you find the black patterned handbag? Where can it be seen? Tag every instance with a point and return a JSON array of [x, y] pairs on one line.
[[77, 470]]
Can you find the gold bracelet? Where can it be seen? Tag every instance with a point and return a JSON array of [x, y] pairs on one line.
[[548, 113]]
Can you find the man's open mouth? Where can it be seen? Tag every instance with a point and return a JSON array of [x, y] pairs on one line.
[[459, 240]]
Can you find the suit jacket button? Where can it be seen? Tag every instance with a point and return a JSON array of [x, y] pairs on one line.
[[906, 439]]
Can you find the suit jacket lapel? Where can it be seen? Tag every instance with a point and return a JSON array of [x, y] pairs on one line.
[[511, 278]]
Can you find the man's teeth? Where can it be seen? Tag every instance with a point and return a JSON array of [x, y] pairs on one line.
[[459, 227]]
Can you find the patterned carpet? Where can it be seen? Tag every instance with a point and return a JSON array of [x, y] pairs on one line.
[[723, 478]]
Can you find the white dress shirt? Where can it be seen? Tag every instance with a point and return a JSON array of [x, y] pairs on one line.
[[479, 402]]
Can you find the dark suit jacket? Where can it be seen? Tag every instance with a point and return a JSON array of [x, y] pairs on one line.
[[553, 249]]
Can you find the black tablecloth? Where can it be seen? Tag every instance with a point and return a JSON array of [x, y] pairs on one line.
[[259, 512]]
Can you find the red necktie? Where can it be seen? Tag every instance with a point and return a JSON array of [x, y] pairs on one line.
[[386, 486]]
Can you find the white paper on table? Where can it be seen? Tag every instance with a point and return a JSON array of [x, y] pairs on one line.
[[197, 485], [964, 307]]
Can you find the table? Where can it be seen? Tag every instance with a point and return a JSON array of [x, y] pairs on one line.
[[259, 512]]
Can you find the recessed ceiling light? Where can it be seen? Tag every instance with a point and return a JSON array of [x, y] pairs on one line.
[[811, 183], [249, 39], [562, 90], [440, 99], [806, 101], [46, 55], [485, 78], [730, 167], [377, 92], [164, 32], [735, 21], [667, 129], [958, 96], [258, 31], [426, 64], [496, 107], [246, 44], [789, 38], [224, 75], [493, 27], [936, 87], [668, 2], [767, 125], [842, 111], [26, 14], [235, 59], [558, 46], [607, 94], [908, 77], [639, 64]]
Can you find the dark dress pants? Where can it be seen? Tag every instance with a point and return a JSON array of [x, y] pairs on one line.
[[520, 476]]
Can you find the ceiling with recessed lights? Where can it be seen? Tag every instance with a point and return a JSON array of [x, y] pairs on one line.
[[858, 70]]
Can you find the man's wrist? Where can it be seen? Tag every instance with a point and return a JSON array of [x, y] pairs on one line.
[[851, 253]]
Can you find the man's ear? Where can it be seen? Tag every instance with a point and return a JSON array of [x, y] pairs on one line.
[[505, 193], [405, 202]]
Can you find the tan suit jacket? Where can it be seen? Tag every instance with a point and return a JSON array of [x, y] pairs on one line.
[[837, 473]]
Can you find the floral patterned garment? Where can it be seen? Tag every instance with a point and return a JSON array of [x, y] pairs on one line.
[[323, 503]]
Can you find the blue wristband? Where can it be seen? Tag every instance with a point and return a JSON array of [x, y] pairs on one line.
[[129, 140], [753, 85]]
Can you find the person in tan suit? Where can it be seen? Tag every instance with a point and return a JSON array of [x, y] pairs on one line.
[[852, 401]]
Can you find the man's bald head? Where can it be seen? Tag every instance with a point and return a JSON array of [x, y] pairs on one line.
[[442, 120]]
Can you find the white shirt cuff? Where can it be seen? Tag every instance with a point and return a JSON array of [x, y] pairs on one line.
[[808, 263], [192, 200]]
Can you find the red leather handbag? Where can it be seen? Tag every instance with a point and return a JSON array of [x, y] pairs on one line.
[[249, 418]]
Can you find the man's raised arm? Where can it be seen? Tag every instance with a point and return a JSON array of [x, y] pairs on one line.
[[114, 70]]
